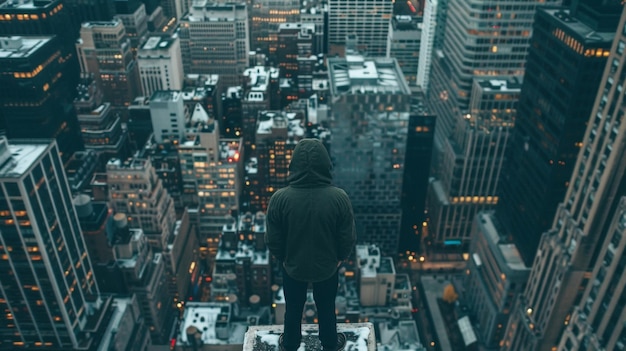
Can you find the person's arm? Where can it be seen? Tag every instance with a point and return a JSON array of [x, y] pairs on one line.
[[346, 232], [275, 235]]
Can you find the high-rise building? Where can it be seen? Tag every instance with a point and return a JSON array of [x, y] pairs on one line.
[[135, 189], [133, 15], [44, 18], [564, 65], [367, 20], [48, 292], [36, 92], [376, 273], [212, 171], [418, 154], [265, 18], [139, 122], [316, 12], [100, 126], [404, 44], [468, 165], [214, 39], [370, 105], [276, 137], [493, 46], [427, 43], [167, 112], [580, 259], [497, 275], [160, 64], [105, 51]]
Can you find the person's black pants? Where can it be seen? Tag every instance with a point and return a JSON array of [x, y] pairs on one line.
[[324, 294]]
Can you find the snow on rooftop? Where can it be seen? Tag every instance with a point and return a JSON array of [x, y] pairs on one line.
[[359, 337], [22, 157], [208, 319], [199, 115]]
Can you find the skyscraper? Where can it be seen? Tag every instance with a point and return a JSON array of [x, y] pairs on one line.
[[160, 64], [48, 293], [367, 20], [265, 18], [580, 257], [36, 92], [427, 43], [214, 39], [104, 50], [370, 104], [565, 64], [483, 40], [403, 44]]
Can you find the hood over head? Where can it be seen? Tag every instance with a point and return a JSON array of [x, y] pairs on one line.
[[310, 164]]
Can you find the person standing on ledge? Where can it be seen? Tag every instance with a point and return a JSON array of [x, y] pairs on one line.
[[310, 231]]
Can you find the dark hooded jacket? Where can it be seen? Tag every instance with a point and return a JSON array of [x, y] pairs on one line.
[[310, 224]]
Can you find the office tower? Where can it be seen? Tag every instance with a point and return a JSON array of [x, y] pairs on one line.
[[260, 91], [167, 113], [127, 330], [368, 20], [564, 65], [93, 217], [231, 122], [212, 171], [494, 46], [481, 52], [427, 43], [497, 275], [166, 162], [135, 189], [317, 13], [376, 274], [141, 272], [89, 11], [370, 104], [139, 122], [43, 18], [132, 14], [576, 263], [105, 51], [214, 39], [294, 40], [419, 149], [48, 291], [80, 169], [181, 259], [265, 18], [276, 137], [36, 92], [403, 44], [100, 126], [160, 64], [467, 166]]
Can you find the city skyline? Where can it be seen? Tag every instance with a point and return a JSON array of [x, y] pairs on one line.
[[478, 142]]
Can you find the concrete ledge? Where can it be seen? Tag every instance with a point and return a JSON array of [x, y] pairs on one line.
[[359, 337]]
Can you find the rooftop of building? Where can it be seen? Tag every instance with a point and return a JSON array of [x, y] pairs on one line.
[[17, 156], [101, 24], [203, 10], [165, 96], [356, 74], [205, 323], [259, 77], [268, 121], [157, 42], [243, 251], [132, 163], [297, 26], [506, 250], [371, 263], [583, 32], [404, 23], [21, 47], [119, 306], [27, 4], [359, 337]]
